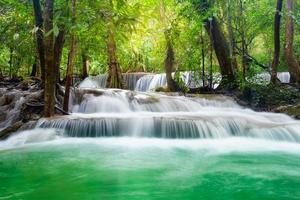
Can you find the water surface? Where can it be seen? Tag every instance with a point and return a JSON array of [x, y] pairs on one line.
[[131, 168]]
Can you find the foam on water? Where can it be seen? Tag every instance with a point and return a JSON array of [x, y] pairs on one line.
[[46, 138], [119, 113], [34, 136]]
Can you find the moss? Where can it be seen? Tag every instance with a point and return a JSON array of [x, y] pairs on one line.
[[162, 89]]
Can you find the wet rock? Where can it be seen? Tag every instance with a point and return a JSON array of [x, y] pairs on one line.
[[5, 133], [31, 83], [28, 125], [292, 110]]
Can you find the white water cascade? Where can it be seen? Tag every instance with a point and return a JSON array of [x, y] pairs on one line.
[[153, 81], [130, 80], [114, 113], [145, 82], [284, 77]]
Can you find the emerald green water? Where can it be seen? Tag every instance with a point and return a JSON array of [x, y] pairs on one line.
[[125, 168]]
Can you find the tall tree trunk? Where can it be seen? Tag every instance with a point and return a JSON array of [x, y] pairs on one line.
[[222, 51], [203, 58], [39, 36], [211, 47], [169, 66], [290, 59], [243, 38], [10, 62], [50, 75], [58, 48], [38, 66], [70, 62], [69, 76], [169, 60], [33, 69], [85, 65], [232, 42], [276, 41], [220, 45], [114, 79]]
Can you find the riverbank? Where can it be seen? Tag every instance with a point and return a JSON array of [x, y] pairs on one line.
[[282, 98]]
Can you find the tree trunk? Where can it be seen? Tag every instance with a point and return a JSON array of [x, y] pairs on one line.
[[38, 66], [243, 38], [169, 63], [69, 76], [169, 60], [222, 50], [276, 41], [58, 48], [232, 42], [211, 47], [70, 62], [220, 45], [39, 36], [203, 58], [33, 70], [85, 66], [114, 79], [10, 62], [290, 59], [50, 75]]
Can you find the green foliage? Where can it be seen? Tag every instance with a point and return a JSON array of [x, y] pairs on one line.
[[140, 29]]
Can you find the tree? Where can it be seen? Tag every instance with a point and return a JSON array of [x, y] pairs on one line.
[[114, 79], [58, 48], [276, 41], [50, 76], [85, 65], [219, 42], [71, 56], [232, 40], [39, 36], [170, 57], [290, 59]]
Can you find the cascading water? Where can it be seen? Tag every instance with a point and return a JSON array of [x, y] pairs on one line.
[[145, 82], [130, 80], [120, 144], [153, 81], [284, 77], [103, 113]]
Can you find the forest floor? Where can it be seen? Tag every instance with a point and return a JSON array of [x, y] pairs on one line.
[[21, 102]]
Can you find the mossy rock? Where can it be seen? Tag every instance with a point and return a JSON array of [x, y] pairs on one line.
[[162, 89], [292, 110]]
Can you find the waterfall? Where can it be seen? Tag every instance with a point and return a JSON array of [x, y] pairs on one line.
[[144, 82], [151, 82], [94, 82], [130, 80], [284, 77], [115, 113]]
